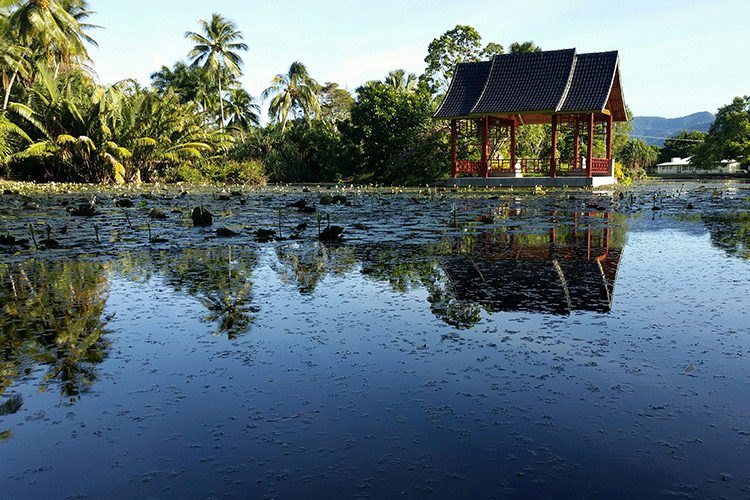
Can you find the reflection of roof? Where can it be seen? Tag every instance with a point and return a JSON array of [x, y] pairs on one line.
[[556, 286], [536, 84]]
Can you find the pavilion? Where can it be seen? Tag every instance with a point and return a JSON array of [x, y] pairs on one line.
[[577, 94]]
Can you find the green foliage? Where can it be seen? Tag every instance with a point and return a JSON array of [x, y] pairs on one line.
[[519, 48], [729, 136], [335, 103], [636, 156], [427, 160], [399, 80], [216, 49], [280, 156], [191, 83], [384, 124], [461, 44], [683, 145], [219, 170], [627, 176], [294, 92]]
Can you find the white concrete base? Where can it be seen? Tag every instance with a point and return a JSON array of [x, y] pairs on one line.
[[530, 181]]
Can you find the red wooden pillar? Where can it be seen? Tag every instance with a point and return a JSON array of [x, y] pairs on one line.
[[590, 150], [483, 171], [609, 136], [454, 162], [553, 159]]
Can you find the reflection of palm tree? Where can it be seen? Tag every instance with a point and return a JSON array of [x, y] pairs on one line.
[[216, 49], [306, 267], [231, 309], [294, 92], [53, 310], [218, 278]]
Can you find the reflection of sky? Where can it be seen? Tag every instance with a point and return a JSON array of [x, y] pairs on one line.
[[358, 389]]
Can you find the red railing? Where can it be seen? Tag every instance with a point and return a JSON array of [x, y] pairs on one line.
[[599, 166], [528, 166], [565, 167], [468, 167]]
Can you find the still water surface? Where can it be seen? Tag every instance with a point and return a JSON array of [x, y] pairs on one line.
[[577, 346]]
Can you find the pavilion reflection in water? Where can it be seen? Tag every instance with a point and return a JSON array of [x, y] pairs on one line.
[[571, 267]]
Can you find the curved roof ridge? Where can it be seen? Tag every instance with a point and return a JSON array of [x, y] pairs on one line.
[[567, 86], [469, 80], [592, 82]]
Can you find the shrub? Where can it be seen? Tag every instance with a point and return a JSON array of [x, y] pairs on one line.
[[220, 170]]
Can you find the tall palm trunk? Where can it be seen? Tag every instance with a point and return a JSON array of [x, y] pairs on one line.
[[221, 104], [7, 91]]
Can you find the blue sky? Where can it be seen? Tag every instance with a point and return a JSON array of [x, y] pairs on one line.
[[676, 57]]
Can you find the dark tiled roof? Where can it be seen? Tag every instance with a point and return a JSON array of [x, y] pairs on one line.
[[466, 86], [591, 83], [536, 84], [527, 82]]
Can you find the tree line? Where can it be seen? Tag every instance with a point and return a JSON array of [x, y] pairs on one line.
[[195, 122]]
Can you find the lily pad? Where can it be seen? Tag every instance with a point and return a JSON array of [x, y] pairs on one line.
[[155, 213], [226, 233], [201, 217]]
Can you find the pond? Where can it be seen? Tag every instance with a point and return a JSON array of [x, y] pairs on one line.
[[449, 344]]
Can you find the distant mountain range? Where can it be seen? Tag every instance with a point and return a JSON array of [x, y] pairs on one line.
[[654, 129]]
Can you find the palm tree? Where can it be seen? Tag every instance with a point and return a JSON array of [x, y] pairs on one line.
[[79, 10], [293, 92], [49, 28], [14, 58], [520, 48], [243, 111], [399, 80], [215, 49]]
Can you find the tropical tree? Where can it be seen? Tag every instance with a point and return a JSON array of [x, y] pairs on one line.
[[683, 145], [161, 132], [519, 48], [11, 138], [728, 137], [335, 103], [243, 110], [399, 80], [14, 58], [636, 156], [51, 31], [70, 134], [49, 27], [191, 83], [459, 45], [216, 50], [293, 92], [385, 124], [78, 10]]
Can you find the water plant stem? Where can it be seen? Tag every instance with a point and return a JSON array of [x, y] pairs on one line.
[[31, 230]]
